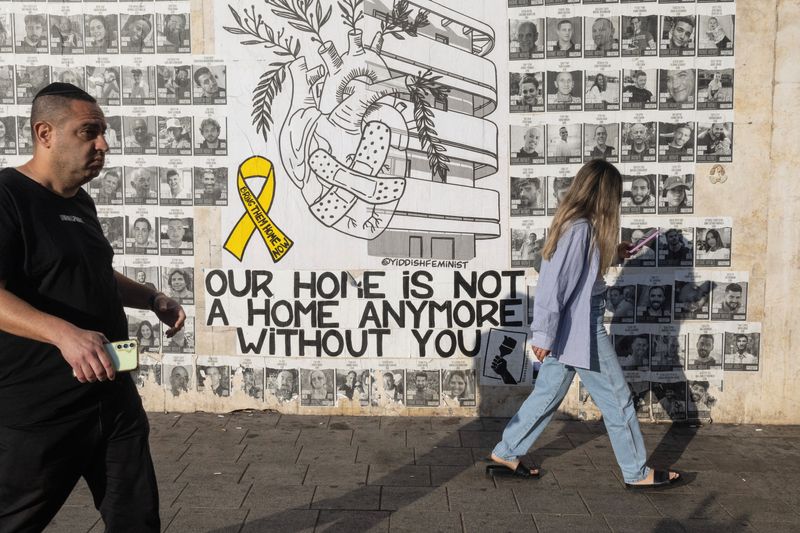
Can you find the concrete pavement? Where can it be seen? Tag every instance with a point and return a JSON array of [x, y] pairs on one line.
[[266, 472]]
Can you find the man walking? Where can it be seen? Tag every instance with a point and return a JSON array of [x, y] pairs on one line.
[[64, 412]]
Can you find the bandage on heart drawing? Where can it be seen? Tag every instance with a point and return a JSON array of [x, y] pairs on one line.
[[360, 179]]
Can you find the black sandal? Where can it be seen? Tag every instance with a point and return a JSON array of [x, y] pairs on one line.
[[522, 471], [660, 479]]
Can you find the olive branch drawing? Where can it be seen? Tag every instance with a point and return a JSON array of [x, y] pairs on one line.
[[302, 15], [271, 82], [420, 87], [352, 12], [399, 21]]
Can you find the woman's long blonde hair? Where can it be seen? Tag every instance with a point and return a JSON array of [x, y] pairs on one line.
[[595, 194]]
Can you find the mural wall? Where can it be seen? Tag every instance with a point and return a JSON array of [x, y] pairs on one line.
[[350, 197]]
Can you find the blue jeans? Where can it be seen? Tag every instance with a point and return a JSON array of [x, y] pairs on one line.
[[605, 382]]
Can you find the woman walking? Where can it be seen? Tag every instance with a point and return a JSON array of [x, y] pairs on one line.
[[568, 335]]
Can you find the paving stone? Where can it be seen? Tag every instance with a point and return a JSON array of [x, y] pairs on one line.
[[303, 421], [413, 498], [169, 472], [213, 436], [444, 456], [400, 475], [555, 523], [324, 438], [496, 500], [766, 524], [556, 442], [407, 521], [618, 503], [537, 499], [218, 520], [549, 459], [275, 474], [335, 454], [718, 482], [581, 477], [202, 470], [80, 496], [202, 450], [72, 519], [764, 508], [686, 506], [480, 439], [395, 438], [478, 522], [350, 521], [355, 422], [494, 423], [213, 494], [353, 498], [406, 422], [461, 476], [323, 474], [456, 423], [168, 452], [715, 526], [259, 453], [545, 482], [166, 515], [200, 420], [283, 520], [254, 419], [168, 493], [638, 524], [264, 499], [385, 455], [432, 439], [273, 436]]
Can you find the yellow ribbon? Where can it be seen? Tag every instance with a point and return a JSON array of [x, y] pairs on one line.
[[256, 209]]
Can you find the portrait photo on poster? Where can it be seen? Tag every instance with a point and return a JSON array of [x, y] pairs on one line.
[[526, 92], [178, 283], [211, 186], [526, 39], [210, 85], [138, 85], [602, 90], [638, 142], [104, 83], [639, 35], [564, 37], [424, 388], [639, 87], [173, 85], [316, 387]]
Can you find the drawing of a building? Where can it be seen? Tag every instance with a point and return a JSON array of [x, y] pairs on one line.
[[442, 218]]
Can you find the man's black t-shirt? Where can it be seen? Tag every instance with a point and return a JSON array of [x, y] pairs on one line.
[[53, 255]]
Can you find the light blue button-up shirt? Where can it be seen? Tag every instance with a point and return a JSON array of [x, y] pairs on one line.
[[562, 307]]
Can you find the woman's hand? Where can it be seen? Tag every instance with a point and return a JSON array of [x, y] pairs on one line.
[[623, 250], [540, 353]]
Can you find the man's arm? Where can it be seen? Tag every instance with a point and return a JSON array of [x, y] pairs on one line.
[[82, 349], [140, 296]]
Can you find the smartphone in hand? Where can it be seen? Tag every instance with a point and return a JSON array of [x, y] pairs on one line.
[[124, 355]]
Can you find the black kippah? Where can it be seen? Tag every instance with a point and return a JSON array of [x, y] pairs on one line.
[[64, 89]]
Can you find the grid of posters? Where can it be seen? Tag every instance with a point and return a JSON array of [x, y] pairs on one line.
[[647, 85]]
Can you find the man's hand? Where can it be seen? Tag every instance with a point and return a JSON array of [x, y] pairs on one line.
[[170, 313], [540, 353], [84, 351]]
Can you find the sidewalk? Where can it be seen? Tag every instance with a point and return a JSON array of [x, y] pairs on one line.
[[265, 472]]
